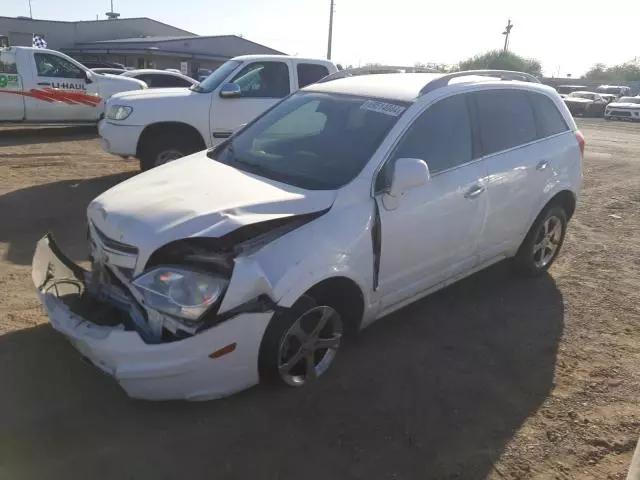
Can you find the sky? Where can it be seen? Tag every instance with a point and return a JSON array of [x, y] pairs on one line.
[[567, 36]]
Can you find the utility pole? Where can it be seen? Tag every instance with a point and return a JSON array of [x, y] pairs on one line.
[[506, 33], [30, 11], [111, 15], [330, 32]]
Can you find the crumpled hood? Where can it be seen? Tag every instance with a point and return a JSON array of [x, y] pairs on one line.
[[196, 196]]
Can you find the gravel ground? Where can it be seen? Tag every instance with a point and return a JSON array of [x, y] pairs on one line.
[[492, 378]]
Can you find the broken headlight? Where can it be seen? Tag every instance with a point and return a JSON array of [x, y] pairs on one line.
[[180, 292]]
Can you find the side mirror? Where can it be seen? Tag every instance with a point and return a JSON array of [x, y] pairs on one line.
[[230, 90], [408, 173], [87, 76]]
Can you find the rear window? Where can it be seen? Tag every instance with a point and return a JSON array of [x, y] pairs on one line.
[[506, 119], [549, 119], [309, 73]]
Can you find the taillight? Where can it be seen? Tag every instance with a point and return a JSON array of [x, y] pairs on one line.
[[580, 138]]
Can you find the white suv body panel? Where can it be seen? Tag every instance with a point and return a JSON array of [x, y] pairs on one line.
[[430, 237]]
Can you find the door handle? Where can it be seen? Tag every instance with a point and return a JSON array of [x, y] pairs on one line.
[[48, 84], [542, 165], [474, 191]]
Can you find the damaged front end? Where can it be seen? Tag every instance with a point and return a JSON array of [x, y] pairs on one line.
[[186, 287], [155, 355]]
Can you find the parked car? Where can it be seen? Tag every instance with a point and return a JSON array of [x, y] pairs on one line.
[[589, 104], [625, 108], [567, 89], [202, 73], [158, 128], [110, 71], [43, 86], [161, 78], [617, 90], [344, 202]]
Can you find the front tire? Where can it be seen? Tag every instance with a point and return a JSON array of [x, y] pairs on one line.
[[165, 149], [542, 244], [301, 343]]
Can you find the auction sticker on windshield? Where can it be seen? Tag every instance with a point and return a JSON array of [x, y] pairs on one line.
[[383, 107]]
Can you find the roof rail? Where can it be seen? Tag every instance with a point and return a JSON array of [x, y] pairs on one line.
[[373, 70], [443, 81]]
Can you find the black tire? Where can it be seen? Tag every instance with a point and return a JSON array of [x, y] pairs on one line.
[[529, 262], [159, 148], [270, 354]]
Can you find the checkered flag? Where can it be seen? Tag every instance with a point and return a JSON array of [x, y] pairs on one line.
[[39, 42]]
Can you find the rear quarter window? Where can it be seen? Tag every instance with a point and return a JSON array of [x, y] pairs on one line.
[[548, 119]]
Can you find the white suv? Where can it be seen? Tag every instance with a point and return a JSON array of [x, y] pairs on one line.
[[346, 201]]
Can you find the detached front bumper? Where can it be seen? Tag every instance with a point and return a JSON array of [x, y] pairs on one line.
[[182, 369]]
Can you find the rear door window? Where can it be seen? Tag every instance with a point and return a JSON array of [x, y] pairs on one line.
[[549, 119], [506, 119], [309, 73]]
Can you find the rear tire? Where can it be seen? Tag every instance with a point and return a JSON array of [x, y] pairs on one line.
[[543, 243], [164, 149]]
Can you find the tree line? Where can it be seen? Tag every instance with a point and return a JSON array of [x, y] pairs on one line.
[[500, 60]]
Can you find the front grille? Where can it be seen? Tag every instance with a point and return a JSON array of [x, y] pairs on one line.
[[620, 113], [114, 245]]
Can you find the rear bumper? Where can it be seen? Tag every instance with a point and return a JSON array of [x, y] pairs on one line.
[[119, 139], [180, 369]]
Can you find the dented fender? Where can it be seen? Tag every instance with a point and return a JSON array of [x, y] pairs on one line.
[[247, 283]]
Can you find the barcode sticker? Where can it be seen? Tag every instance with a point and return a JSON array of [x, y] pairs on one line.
[[382, 107]]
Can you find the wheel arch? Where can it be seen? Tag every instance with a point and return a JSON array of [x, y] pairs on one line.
[[160, 128], [344, 293], [566, 199]]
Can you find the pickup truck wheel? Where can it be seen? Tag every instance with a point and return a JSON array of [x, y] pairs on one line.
[[301, 343], [542, 244], [161, 150]]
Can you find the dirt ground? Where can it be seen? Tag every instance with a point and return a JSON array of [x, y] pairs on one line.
[[492, 378]]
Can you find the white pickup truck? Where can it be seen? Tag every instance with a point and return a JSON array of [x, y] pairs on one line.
[[160, 125], [45, 86]]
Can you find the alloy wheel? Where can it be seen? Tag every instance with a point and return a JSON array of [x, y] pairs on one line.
[[309, 346]]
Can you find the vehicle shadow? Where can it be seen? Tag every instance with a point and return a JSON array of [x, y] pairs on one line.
[[434, 391], [31, 135], [57, 207]]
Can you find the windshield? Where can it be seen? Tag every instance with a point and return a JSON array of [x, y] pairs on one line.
[[316, 141], [588, 96], [218, 76], [628, 100]]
